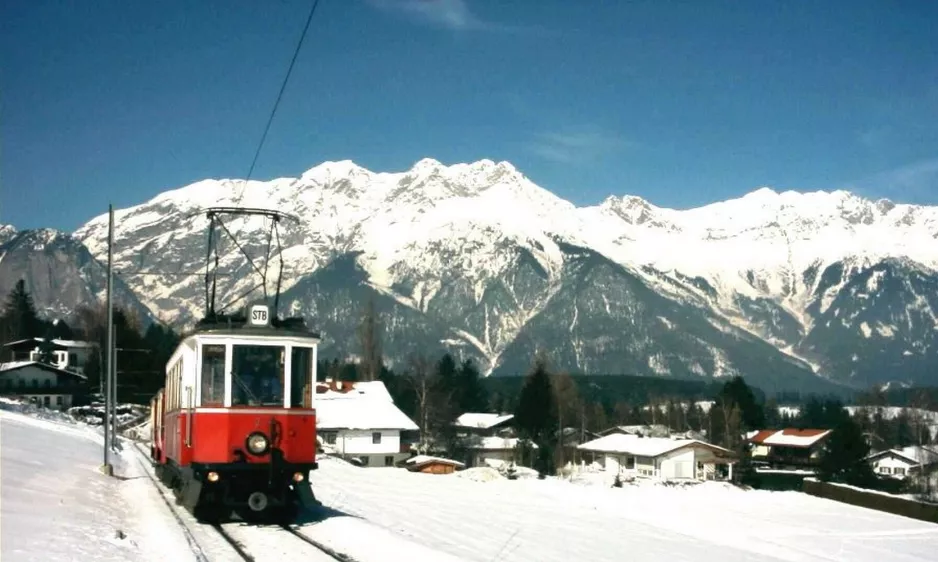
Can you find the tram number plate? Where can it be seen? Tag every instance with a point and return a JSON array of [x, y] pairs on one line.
[[259, 315]]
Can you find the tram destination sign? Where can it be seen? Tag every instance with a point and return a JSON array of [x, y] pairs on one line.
[[259, 315]]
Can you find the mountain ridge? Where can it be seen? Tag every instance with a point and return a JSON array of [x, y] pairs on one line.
[[479, 251]]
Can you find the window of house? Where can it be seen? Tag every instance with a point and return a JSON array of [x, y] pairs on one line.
[[46, 400], [900, 470], [58, 400], [329, 437], [213, 375], [376, 438], [389, 460]]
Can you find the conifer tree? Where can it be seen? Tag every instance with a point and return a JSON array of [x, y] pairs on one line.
[[842, 458], [474, 396], [20, 314], [536, 415]]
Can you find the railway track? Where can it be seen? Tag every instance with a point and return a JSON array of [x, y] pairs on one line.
[[239, 541], [275, 543]]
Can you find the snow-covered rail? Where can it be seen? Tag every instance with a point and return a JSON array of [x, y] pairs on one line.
[[262, 543]]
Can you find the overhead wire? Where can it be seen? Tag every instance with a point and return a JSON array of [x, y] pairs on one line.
[[270, 120], [283, 87]]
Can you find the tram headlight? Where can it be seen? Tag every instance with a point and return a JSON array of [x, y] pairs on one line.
[[257, 443]]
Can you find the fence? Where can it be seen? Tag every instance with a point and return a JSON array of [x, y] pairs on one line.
[[872, 500]]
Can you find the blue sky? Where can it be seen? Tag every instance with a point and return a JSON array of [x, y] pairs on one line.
[[682, 103]]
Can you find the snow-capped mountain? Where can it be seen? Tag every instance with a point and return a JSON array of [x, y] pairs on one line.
[[59, 273], [477, 259]]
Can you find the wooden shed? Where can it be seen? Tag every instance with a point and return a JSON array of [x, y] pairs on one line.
[[432, 465]]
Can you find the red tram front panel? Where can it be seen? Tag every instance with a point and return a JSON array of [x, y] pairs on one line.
[[218, 432]]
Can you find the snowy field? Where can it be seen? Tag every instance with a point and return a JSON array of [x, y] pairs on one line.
[[55, 505], [483, 519]]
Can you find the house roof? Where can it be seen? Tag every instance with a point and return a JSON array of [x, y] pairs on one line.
[[340, 390], [482, 420], [16, 365], [656, 430], [790, 437], [493, 443], [644, 446], [362, 405], [914, 455], [63, 344], [423, 460]]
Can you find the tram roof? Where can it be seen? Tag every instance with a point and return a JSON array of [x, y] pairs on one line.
[[238, 326]]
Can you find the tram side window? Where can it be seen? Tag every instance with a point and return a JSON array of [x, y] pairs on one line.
[[168, 396], [257, 375], [213, 375], [301, 367]]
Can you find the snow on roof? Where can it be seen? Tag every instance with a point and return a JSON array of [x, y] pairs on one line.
[[361, 414], [425, 459], [655, 430], [359, 405], [914, 454], [333, 390], [62, 343], [790, 437], [14, 365], [482, 420], [641, 446], [760, 436], [494, 443]]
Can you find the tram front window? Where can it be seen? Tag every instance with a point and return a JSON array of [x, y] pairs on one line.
[[257, 375]]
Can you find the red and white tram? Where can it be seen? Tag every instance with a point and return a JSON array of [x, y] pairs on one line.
[[234, 427]]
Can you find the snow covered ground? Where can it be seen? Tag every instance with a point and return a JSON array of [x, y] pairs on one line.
[[55, 504], [478, 516]]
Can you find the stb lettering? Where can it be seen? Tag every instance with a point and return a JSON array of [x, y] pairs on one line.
[[259, 315]]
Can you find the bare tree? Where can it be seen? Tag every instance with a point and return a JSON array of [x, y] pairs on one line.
[[420, 377], [369, 336], [568, 409], [731, 421], [92, 321]]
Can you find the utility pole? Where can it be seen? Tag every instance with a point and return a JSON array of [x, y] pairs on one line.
[[114, 391], [107, 468]]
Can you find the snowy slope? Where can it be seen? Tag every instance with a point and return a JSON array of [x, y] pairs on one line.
[[56, 505], [467, 257]]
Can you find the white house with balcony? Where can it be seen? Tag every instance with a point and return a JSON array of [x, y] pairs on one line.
[[70, 355], [359, 421], [661, 458]]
